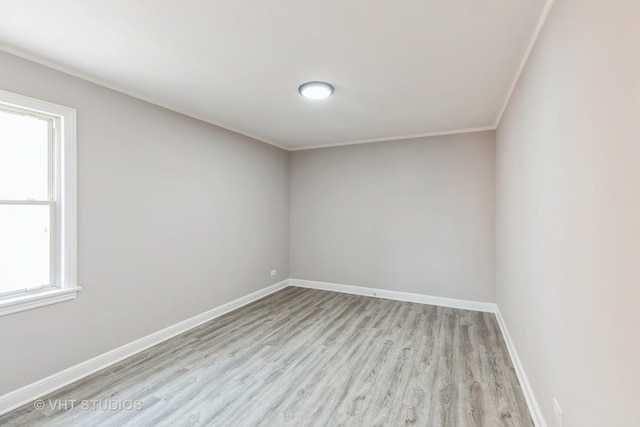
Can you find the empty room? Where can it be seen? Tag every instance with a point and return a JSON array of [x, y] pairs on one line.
[[305, 213]]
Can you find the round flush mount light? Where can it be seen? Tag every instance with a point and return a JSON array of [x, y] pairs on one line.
[[316, 90]]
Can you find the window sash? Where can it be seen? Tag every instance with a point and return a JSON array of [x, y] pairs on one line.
[[53, 245], [53, 149], [19, 292], [53, 186]]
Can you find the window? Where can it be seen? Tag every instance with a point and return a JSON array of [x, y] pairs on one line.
[[37, 203]]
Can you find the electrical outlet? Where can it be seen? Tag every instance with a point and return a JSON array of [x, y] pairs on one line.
[[558, 412], [274, 272]]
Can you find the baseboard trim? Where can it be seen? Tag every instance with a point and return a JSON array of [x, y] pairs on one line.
[[486, 307], [534, 408], [33, 391], [532, 403]]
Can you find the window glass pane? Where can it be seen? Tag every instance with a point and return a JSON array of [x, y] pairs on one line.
[[24, 157], [24, 246]]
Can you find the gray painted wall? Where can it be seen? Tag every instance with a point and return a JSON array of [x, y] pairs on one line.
[[412, 216], [175, 217], [568, 214]]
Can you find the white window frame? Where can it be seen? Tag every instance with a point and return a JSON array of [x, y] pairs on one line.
[[63, 205]]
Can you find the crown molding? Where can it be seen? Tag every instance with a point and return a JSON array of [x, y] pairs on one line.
[[525, 58], [397, 138], [118, 88], [109, 85]]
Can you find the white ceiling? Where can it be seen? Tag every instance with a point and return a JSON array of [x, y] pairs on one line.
[[400, 69]]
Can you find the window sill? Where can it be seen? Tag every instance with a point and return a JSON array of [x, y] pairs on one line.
[[34, 300]]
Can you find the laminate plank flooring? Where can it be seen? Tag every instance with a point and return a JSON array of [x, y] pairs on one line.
[[303, 357]]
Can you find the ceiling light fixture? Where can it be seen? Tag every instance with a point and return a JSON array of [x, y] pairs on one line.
[[316, 90]]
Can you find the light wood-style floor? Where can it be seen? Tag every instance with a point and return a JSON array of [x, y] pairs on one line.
[[304, 357]]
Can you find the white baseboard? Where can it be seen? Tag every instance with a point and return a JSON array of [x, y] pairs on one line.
[[51, 383], [28, 393], [534, 408], [536, 414], [487, 307]]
